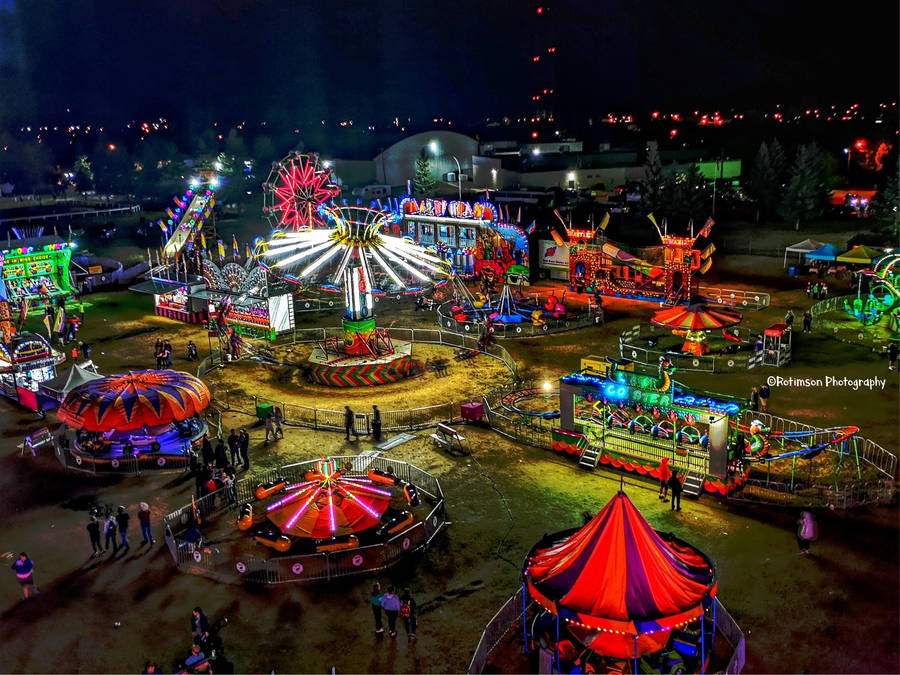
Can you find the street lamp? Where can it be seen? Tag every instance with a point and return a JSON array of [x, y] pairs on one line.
[[434, 147]]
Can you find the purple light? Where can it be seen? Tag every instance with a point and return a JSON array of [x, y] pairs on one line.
[[303, 509]]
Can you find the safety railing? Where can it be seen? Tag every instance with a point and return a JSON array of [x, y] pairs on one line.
[[210, 560], [727, 627], [631, 349], [117, 466], [840, 331], [735, 297], [495, 630], [525, 328]]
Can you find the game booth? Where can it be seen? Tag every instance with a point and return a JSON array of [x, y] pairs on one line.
[[27, 360], [153, 417], [37, 271], [618, 596], [469, 235]]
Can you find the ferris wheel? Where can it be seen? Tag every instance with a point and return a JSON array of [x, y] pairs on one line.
[[296, 191]]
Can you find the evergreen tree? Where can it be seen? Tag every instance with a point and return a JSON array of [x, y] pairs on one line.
[[779, 164], [653, 187], [687, 195], [763, 184], [423, 181], [807, 193], [886, 208], [84, 175]]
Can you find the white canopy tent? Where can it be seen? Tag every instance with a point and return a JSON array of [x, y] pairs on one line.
[[802, 248]]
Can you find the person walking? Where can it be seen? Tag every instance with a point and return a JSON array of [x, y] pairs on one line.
[[199, 625], [348, 421], [157, 353], [754, 399], [109, 529], [390, 603], [93, 530], [234, 448], [244, 446], [809, 288], [192, 353], [221, 457], [375, 601], [24, 569], [764, 393], [167, 353], [408, 613], [270, 428], [893, 352], [807, 321], [144, 520], [122, 519], [206, 450], [279, 421], [665, 473], [789, 318], [376, 423], [807, 531], [675, 487], [823, 290]]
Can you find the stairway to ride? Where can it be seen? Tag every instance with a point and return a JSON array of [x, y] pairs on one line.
[[590, 456], [693, 484]]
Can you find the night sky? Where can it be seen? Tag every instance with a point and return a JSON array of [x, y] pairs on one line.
[[294, 62]]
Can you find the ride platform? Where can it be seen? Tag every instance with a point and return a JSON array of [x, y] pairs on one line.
[[353, 370]]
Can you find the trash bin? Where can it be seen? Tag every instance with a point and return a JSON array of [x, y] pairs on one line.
[[263, 410]]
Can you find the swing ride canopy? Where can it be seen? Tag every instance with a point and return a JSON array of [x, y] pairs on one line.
[[620, 585], [130, 400], [356, 239], [329, 504], [696, 317]]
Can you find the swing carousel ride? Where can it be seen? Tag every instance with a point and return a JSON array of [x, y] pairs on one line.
[[355, 256]]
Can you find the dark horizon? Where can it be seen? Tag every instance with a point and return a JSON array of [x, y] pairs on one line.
[[299, 63]]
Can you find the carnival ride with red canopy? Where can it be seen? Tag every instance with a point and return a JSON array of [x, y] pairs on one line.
[[164, 405], [619, 586]]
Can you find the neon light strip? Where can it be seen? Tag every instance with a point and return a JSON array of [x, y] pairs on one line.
[[286, 500], [305, 254], [409, 268], [386, 268], [418, 261], [336, 278], [368, 509], [303, 509], [325, 257], [331, 511]]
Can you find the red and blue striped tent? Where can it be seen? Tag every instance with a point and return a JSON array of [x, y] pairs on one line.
[[130, 400], [620, 586]]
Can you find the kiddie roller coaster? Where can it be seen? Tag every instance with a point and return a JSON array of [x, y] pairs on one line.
[[610, 414]]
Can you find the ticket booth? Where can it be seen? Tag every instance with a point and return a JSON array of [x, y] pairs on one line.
[[777, 345]]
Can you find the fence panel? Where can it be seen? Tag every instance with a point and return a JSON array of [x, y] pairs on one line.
[[505, 618], [310, 567], [734, 636]]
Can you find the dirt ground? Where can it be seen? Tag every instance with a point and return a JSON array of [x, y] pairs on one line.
[[836, 611]]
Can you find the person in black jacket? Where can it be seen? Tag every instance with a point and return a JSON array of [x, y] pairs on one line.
[[675, 489], [122, 519], [221, 457], [199, 625], [376, 423], [93, 529], [348, 421], [207, 450]]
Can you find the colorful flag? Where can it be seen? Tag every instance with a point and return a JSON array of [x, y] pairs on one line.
[[704, 268], [530, 229], [47, 324], [203, 241], [707, 228], [559, 216], [519, 215], [221, 247], [604, 222], [248, 252], [653, 220], [557, 237], [235, 247], [708, 251], [23, 313]]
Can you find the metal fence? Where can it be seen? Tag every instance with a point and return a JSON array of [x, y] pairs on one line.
[[516, 330], [495, 630], [405, 419], [511, 613], [630, 348], [210, 560], [727, 627], [735, 297], [859, 334], [131, 466]]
